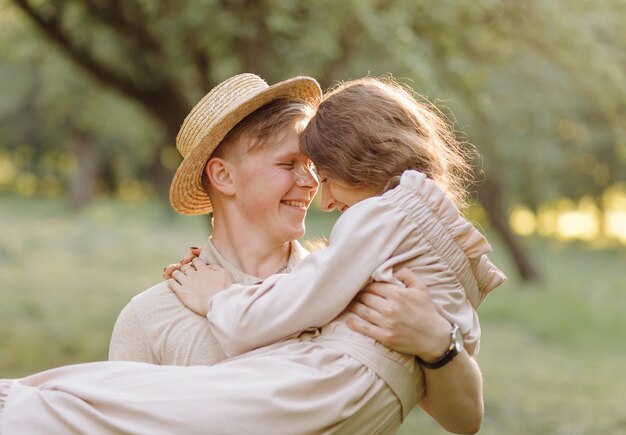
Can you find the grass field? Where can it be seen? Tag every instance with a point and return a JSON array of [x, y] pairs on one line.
[[552, 353]]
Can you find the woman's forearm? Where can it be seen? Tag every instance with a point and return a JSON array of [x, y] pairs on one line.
[[454, 395], [318, 290]]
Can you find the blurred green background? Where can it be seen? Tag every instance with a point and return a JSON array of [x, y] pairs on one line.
[[92, 93]]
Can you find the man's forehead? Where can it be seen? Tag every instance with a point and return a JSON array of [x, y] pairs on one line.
[[279, 146], [284, 151]]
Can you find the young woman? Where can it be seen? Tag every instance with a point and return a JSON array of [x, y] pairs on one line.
[[392, 166]]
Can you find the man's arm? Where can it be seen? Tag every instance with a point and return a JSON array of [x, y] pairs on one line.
[[129, 341], [406, 320], [454, 395]]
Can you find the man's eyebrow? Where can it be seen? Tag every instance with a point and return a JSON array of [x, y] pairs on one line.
[[290, 154]]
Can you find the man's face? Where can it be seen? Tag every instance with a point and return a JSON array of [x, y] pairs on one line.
[[274, 187]]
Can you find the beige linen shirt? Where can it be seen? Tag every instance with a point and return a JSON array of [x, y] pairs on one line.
[[155, 327]]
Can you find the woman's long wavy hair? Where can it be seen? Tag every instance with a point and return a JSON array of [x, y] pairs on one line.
[[367, 132]]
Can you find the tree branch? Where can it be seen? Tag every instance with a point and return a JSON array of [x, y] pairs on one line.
[[203, 66], [52, 28], [112, 14], [337, 65]]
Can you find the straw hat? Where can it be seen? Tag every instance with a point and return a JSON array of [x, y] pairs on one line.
[[211, 119]]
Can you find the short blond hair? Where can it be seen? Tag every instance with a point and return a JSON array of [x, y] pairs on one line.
[[367, 132], [262, 125], [267, 122]]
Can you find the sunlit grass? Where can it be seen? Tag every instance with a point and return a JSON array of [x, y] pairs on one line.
[[551, 354]]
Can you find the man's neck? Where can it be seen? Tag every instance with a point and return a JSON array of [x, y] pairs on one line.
[[250, 251]]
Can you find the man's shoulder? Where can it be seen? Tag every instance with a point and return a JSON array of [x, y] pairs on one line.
[[146, 319], [158, 298], [157, 291], [137, 331], [157, 319]]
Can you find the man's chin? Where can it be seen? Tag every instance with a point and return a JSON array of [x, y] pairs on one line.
[[296, 233]]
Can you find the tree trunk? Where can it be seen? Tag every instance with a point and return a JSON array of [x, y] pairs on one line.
[[83, 184], [490, 196], [161, 178]]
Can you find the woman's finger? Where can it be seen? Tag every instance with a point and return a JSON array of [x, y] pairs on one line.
[[169, 269], [178, 276], [198, 263], [174, 285], [192, 253]]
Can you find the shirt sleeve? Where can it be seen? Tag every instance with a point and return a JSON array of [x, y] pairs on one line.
[[129, 341], [317, 290]]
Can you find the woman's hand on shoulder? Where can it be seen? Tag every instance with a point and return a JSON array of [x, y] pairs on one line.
[[196, 283], [192, 253], [402, 318]]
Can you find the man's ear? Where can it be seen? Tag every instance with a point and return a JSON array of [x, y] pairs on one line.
[[221, 175]]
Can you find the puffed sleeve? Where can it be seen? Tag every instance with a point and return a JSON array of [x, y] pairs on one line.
[[318, 289]]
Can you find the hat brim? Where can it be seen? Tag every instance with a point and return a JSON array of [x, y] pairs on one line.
[[187, 195]]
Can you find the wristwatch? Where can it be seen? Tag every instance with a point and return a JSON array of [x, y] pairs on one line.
[[456, 346]]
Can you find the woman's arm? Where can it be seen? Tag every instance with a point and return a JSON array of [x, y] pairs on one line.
[[406, 320], [317, 290]]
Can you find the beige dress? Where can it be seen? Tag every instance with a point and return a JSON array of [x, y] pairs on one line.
[[312, 382]]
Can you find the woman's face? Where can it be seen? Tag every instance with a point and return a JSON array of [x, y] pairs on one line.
[[275, 186], [336, 195]]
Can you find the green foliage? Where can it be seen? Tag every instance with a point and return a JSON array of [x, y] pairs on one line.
[[537, 86], [50, 102]]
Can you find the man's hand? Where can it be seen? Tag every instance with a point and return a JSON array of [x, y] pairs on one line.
[[402, 318], [406, 320], [189, 256], [196, 283]]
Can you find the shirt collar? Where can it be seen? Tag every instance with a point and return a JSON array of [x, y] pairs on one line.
[[211, 255]]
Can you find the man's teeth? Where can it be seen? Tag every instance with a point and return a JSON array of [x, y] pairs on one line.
[[296, 203]]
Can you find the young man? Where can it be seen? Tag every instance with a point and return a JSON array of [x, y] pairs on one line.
[[248, 170], [260, 186]]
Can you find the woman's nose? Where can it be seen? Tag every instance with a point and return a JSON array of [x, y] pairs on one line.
[[327, 202]]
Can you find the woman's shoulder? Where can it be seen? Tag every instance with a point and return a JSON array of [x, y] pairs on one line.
[[417, 194], [375, 215]]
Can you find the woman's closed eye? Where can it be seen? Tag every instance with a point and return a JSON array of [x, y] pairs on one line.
[[321, 179]]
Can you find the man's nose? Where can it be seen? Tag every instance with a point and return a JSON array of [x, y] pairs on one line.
[[305, 177]]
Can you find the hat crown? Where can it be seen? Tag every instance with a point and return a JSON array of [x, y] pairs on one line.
[[219, 102]]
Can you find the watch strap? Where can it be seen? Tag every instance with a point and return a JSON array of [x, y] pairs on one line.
[[448, 356]]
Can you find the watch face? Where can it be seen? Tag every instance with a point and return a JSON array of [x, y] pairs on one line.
[[458, 339]]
